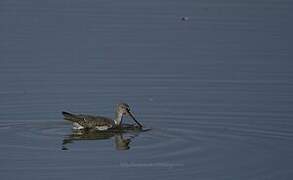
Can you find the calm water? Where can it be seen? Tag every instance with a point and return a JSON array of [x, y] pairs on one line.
[[216, 90]]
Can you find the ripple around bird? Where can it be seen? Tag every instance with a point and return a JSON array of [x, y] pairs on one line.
[[209, 141], [176, 139]]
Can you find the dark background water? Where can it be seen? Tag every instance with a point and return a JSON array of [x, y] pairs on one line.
[[217, 89]]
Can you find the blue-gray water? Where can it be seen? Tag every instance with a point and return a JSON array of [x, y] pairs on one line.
[[217, 89]]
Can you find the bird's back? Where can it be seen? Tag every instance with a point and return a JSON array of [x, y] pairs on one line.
[[89, 121]]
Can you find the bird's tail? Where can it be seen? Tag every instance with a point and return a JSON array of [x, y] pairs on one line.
[[70, 117]]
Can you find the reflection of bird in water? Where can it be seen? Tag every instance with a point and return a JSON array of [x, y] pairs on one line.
[[100, 123], [122, 137], [122, 143]]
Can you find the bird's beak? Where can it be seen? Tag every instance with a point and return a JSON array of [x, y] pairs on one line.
[[132, 116]]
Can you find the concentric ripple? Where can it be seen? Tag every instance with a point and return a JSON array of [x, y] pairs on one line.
[[204, 143]]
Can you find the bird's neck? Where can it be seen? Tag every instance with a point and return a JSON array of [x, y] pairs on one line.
[[118, 118]]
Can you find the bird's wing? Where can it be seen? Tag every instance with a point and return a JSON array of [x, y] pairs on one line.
[[92, 121], [71, 117]]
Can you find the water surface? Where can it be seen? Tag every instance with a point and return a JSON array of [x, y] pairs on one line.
[[216, 90]]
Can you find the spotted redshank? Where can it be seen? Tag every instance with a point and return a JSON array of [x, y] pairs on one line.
[[82, 121]]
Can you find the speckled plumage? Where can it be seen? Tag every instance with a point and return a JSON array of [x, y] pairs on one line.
[[88, 121], [82, 121]]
